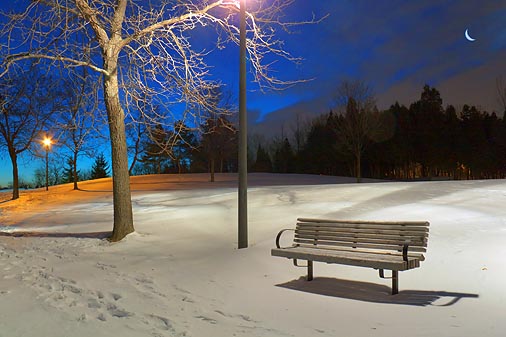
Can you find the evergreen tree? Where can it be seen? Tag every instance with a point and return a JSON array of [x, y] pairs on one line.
[[284, 158], [100, 168], [428, 115], [318, 155], [263, 161], [450, 145], [68, 171], [394, 157]]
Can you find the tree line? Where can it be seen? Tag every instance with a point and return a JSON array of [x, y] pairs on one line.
[[422, 141]]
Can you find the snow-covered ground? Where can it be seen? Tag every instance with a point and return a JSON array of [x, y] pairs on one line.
[[180, 274]]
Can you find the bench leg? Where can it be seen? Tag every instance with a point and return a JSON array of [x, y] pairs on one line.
[[395, 282], [309, 270]]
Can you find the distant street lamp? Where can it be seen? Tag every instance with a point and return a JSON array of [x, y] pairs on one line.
[[243, 135], [47, 144]]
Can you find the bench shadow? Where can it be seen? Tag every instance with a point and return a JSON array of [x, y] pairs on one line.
[[87, 235], [375, 293]]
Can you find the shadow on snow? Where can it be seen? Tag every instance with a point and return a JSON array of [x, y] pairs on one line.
[[375, 293], [88, 235]]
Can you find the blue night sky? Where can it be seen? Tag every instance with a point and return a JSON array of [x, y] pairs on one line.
[[396, 46]]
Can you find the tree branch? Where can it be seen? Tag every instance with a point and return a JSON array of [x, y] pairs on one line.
[[25, 56], [165, 23], [92, 18]]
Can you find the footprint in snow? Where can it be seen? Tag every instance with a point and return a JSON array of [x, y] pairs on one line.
[[207, 319], [243, 317], [114, 311], [104, 266], [159, 322]]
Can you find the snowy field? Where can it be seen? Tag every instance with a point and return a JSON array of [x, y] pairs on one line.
[[181, 274]]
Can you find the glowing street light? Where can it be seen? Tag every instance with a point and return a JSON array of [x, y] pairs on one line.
[[47, 144], [243, 136]]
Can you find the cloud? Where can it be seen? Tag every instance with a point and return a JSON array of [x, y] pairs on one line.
[[283, 122], [396, 46]]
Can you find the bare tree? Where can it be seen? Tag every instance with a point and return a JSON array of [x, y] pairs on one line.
[[55, 173], [77, 121], [299, 132], [27, 100], [359, 122], [219, 142], [219, 138], [137, 129], [148, 42], [39, 177]]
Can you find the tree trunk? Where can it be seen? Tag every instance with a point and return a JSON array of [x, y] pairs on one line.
[[136, 153], [132, 165], [212, 170], [123, 217], [15, 176], [74, 170], [358, 166]]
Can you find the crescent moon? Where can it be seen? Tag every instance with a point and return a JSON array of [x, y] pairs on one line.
[[468, 37]]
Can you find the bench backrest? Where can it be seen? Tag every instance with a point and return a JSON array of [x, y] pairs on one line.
[[370, 236]]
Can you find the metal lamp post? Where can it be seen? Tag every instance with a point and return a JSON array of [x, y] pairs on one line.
[[47, 145], [243, 138]]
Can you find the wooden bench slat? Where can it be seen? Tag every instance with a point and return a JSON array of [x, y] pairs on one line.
[[362, 226], [412, 223], [415, 242], [357, 245], [365, 231], [345, 234]]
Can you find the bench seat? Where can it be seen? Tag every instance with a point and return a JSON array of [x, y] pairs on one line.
[[361, 259]]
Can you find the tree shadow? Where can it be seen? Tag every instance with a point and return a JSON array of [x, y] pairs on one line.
[[91, 190], [375, 293], [32, 234]]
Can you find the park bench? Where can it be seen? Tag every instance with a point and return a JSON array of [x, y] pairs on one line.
[[382, 245]]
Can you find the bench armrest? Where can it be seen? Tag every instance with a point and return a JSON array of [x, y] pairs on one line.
[[279, 235], [405, 252]]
